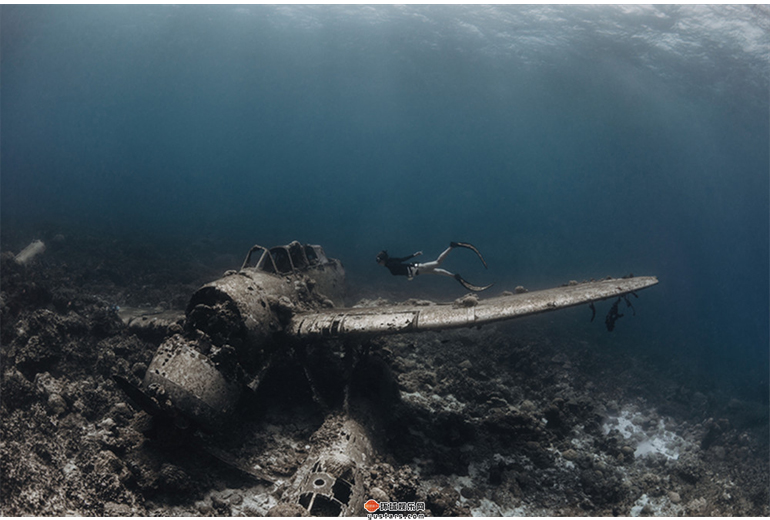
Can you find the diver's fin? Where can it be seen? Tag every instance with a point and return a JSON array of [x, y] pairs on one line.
[[472, 248], [470, 286]]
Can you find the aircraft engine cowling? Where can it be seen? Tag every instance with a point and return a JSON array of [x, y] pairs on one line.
[[183, 380], [245, 310], [232, 327]]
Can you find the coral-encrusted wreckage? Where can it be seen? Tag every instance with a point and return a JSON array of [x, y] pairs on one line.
[[265, 396]]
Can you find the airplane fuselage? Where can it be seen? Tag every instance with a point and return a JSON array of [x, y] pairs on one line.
[[233, 326]]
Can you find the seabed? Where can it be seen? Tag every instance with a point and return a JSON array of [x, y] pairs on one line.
[[525, 418]]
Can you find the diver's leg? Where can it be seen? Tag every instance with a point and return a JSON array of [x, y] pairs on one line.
[[443, 255], [443, 272], [426, 268], [452, 245]]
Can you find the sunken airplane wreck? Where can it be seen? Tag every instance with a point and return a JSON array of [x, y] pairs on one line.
[[292, 296]]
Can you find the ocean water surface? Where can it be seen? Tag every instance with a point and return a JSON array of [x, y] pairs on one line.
[[565, 142]]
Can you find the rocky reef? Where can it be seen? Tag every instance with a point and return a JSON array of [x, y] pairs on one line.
[[526, 418]]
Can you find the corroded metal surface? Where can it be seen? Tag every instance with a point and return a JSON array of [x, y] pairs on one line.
[[232, 328], [149, 323], [331, 481], [395, 319], [142, 316], [192, 382], [251, 292]]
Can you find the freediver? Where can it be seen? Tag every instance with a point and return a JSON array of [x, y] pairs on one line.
[[400, 266]]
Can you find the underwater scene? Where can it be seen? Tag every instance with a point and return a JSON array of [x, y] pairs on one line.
[[266, 260]]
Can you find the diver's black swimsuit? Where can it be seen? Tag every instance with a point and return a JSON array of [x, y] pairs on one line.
[[397, 268]]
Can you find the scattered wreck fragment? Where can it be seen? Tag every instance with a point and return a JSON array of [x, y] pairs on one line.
[[36, 247], [331, 482]]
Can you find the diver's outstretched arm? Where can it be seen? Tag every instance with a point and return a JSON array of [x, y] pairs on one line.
[[404, 259]]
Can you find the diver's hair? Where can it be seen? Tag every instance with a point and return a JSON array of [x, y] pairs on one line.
[[382, 255]]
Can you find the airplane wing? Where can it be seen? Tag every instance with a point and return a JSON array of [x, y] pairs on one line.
[[465, 312]]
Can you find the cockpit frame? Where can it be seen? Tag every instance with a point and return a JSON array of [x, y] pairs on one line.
[[288, 259]]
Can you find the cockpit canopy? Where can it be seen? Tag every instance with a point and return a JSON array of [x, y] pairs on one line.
[[287, 259]]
